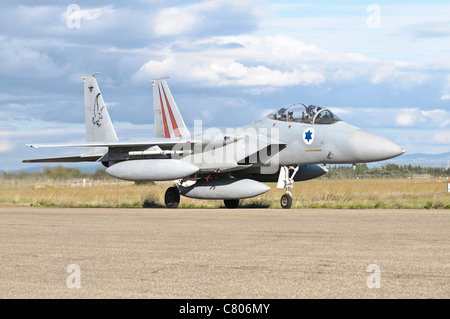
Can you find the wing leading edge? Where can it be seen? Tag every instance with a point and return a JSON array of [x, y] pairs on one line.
[[68, 159], [112, 147]]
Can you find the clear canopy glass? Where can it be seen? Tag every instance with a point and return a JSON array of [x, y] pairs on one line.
[[302, 113]]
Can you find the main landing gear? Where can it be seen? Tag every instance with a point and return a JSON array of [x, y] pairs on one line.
[[172, 197], [286, 180], [231, 203]]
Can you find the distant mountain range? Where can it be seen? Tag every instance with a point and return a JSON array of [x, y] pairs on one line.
[[424, 160]]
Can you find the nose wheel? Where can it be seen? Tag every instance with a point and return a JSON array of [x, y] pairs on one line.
[[286, 201], [286, 180]]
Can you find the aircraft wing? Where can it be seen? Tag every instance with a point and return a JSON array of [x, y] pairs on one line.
[[162, 143], [68, 159], [153, 146]]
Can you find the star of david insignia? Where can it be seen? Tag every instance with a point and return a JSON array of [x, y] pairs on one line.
[[308, 136]]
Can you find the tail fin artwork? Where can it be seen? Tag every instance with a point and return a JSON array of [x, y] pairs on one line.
[[99, 127], [167, 117]]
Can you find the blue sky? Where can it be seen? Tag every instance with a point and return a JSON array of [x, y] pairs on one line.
[[380, 65]]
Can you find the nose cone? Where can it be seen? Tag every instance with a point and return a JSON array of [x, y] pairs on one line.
[[367, 147]]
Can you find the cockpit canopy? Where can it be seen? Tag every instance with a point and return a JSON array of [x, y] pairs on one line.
[[301, 113]]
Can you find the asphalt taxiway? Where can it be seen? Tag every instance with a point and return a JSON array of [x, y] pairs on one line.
[[222, 253]]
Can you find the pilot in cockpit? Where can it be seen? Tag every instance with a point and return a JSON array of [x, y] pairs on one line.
[[290, 117], [281, 116]]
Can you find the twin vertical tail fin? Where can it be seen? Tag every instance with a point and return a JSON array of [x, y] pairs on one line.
[[99, 127], [167, 117]]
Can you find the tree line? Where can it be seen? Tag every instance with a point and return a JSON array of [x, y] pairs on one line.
[[57, 173], [385, 171], [334, 172]]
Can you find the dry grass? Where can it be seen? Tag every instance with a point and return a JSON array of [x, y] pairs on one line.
[[319, 193]]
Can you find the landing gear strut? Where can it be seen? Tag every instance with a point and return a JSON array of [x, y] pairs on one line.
[[172, 197], [286, 180]]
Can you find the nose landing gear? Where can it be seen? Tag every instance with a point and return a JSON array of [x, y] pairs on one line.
[[286, 180]]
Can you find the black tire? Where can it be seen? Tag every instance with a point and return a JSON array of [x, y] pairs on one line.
[[172, 197], [286, 201], [231, 203]]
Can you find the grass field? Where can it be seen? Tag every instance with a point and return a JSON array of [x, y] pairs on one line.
[[319, 193]]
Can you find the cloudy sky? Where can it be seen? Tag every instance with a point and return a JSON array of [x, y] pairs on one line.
[[381, 65]]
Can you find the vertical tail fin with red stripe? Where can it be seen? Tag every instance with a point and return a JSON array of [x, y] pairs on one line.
[[167, 117]]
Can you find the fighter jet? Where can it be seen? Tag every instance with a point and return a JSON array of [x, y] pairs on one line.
[[293, 143]]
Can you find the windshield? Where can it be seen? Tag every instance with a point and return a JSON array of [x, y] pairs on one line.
[[301, 113]]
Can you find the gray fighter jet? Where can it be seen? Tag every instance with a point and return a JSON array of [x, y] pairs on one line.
[[293, 143]]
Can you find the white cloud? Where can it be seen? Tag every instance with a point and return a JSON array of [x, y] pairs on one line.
[[408, 117], [5, 146], [222, 71], [441, 118], [446, 93], [175, 21], [96, 13], [5, 97], [255, 61], [340, 110], [442, 137], [258, 60], [19, 58], [430, 118], [204, 17]]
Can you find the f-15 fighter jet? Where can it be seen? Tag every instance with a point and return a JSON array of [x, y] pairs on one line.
[[293, 143]]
